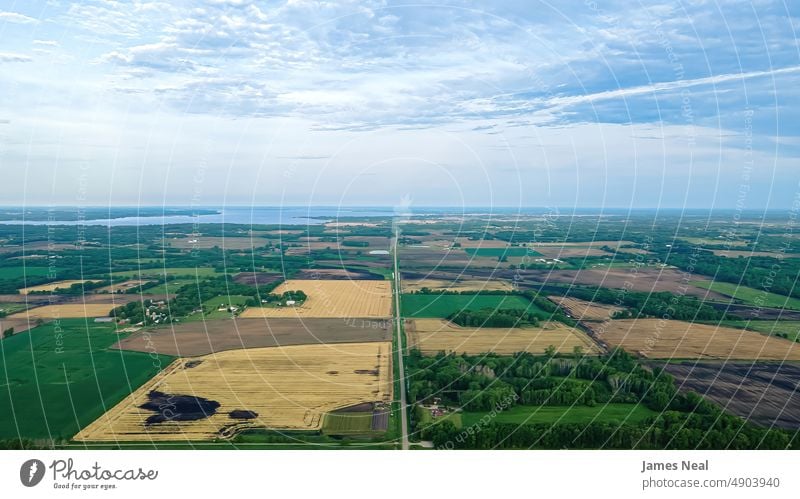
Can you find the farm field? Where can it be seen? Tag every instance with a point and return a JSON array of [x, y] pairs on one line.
[[585, 310], [347, 423], [648, 279], [289, 388], [502, 252], [790, 328], [579, 414], [121, 287], [431, 336], [444, 305], [334, 298], [226, 243], [657, 339], [410, 285], [51, 286], [160, 272], [750, 296], [10, 308], [764, 393], [202, 338], [74, 378], [66, 311]]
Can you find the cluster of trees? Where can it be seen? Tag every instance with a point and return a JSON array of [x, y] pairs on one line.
[[297, 296], [776, 276], [684, 421], [491, 317], [476, 383], [702, 426]]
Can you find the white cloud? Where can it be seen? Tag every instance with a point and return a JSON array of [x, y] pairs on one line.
[[13, 17], [10, 57]]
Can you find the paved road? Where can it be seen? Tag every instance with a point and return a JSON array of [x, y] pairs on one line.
[[400, 350]]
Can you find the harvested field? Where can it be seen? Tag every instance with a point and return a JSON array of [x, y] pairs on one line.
[[337, 275], [764, 393], [288, 388], [65, 311], [432, 336], [410, 286], [648, 279], [19, 325], [58, 299], [122, 287], [363, 299], [202, 338], [466, 242], [657, 339], [585, 310], [257, 278], [228, 243], [52, 286], [747, 254]]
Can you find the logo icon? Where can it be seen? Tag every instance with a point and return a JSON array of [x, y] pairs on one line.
[[31, 472]]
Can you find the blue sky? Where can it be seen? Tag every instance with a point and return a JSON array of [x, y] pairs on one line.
[[513, 103]]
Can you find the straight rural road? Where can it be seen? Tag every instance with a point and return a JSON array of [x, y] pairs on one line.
[[399, 332]]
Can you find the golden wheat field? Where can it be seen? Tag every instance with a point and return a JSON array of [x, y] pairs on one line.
[[432, 336], [289, 388], [665, 339], [334, 298], [51, 286], [66, 311], [123, 286], [585, 310], [410, 286]]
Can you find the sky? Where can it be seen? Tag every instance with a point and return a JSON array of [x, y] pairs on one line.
[[590, 103]]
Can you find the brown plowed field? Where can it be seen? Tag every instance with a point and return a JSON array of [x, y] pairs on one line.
[[202, 338], [764, 393]]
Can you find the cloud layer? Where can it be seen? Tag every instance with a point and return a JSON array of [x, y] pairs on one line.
[[654, 104]]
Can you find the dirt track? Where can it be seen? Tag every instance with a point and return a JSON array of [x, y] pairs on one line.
[[763, 393], [202, 338]]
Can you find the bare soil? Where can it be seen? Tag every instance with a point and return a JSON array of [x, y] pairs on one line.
[[764, 393], [202, 338]]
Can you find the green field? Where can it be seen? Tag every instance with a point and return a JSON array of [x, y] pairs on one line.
[[786, 329], [17, 272], [54, 382], [520, 414], [211, 307], [442, 306], [12, 308], [347, 423], [750, 296], [511, 251], [162, 272]]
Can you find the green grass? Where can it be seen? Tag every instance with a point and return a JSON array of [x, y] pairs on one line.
[[17, 272], [442, 306], [750, 296], [581, 414], [55, 381], [210, 307], [12, 308], [512, 251], [162, 272], [785, 329], [347, 423]]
